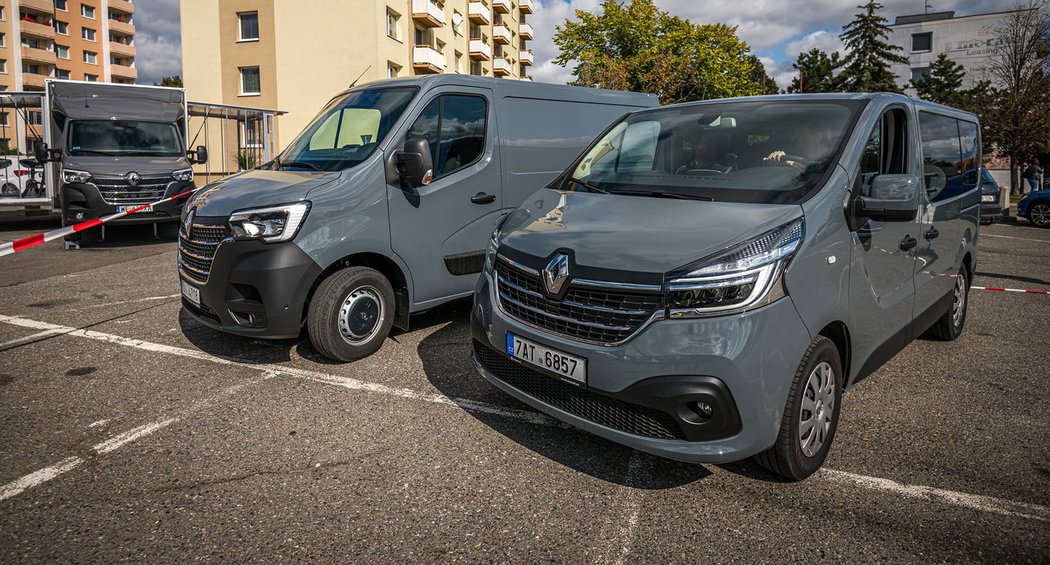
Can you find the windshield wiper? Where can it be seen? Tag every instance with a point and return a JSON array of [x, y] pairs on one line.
[[588, 185], [664, 194], [301, 164], [94, 152]]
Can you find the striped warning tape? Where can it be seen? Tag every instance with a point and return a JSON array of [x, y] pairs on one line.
[[999, 289], [34, 240]]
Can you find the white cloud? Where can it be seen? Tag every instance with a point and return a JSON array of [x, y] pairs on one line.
[[548, 15], [822, 39], [157, 40]]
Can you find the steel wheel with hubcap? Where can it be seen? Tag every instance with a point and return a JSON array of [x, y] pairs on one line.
[[350, 314], [1039, 214], [950, 325], [818, 404], [361, 315]]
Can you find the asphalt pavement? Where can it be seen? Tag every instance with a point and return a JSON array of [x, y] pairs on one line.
[[128, 432]]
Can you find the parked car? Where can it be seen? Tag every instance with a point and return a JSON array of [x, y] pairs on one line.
[[381, 208], [21, 177], [1035, 207], [991, 198], [706, 280]]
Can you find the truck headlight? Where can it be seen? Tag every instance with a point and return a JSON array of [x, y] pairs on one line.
[[70, 176], [744, 276], [272, 225], [183, 175]]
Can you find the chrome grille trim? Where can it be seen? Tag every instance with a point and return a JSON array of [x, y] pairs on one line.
[[197, 250], [563, 318], [116, 190]]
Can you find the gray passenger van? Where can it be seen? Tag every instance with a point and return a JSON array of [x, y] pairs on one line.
[[706, 279], [381, 208]]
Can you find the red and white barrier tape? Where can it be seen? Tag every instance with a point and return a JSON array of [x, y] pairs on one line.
[[998, 289], [34, 240]]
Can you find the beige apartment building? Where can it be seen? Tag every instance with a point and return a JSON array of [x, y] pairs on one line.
[[294, 55]]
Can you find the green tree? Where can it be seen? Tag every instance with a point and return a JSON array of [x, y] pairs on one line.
[[636, 46], [766, 84], [866, 66], [943, 84], [173, 81], [816, 72]]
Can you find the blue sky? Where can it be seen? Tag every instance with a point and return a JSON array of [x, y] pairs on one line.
[[776, 30]]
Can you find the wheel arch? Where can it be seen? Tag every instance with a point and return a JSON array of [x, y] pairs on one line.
[[386, 266], [838, 333]]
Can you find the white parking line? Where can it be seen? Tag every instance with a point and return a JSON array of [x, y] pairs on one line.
[[1013, 237], [636, 471], [119, 302], [27, 339], [960, 499]]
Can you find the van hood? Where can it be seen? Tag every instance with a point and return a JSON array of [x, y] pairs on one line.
[[256, 189], [635, 233], [122, 165]]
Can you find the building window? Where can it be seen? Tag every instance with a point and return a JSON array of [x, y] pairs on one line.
[[392, 70], [34, 118], [920, 74], [90, 78], [458, 62], [31, 68], [62, 74], [476, 68], [61, 5], [87, 33], [3, 119], [2, 13], [457, 23], [87, 11], [62, 51], [61, 28], [3, 40], [922, 42], [3, 66], [249, 25], [250, 81], [393, 25], [90, 58]]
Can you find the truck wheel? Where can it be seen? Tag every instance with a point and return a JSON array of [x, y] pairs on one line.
[[351, 314], [810, 416], [950, 325]]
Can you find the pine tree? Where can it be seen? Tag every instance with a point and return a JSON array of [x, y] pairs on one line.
[[816, 72], [943, 84], [866, 67]]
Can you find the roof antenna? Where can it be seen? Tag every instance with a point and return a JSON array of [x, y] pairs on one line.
[[359, 76]]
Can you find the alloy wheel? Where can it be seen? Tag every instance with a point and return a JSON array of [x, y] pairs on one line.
[[1040, 215], [959, 304]]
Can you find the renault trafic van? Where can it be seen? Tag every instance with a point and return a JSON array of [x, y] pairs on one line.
[[706, 279], [381, 208]]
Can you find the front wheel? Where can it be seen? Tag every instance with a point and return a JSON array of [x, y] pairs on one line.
[[810, 416], [1039, 214], [351, 314]]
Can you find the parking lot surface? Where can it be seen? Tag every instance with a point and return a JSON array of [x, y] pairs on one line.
[[130, 432]]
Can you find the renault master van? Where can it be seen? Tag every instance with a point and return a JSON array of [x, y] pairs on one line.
[[381, 208], [706, 279]]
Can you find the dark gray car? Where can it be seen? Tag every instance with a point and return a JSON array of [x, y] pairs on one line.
[[705, 280]]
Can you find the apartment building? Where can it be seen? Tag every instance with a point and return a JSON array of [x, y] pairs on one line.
[[294, 55]]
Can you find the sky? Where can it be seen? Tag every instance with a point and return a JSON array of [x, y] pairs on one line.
[[776, 30]]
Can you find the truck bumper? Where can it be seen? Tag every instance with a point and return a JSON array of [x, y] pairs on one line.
[[83, 201]]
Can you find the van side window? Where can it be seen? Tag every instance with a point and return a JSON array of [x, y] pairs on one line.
[[943, 155], [886, 150], [454, 126], [971, 154]]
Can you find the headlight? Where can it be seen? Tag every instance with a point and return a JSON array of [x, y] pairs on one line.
[[272, 225], [741, 277], [69, 175], [494, 241], [184, 175]]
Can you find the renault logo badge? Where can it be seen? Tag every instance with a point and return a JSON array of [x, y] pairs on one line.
[[556, 273], [133, 178]]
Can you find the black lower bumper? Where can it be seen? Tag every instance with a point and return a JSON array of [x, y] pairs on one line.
[[82, 202], [254, 289], [991, 212]]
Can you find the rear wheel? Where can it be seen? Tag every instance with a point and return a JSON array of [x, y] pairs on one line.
[[1039, 214], [351, 314], [950, 325], [810, 416]]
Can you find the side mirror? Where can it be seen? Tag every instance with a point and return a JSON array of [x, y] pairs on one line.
[[892, 198], [43, 154], [200, 156], [414, 163]]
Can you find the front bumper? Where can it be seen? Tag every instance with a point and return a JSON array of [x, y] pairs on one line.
[[742, 365], [83, 201], [254, 289], [991, 211]]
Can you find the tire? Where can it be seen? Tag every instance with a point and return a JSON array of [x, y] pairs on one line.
[[950, 325], [1039, 214], [9, 191], [818, 379], [351, 314]]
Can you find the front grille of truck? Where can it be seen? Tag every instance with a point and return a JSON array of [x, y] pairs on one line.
[[606, 411], [586, 313], [197, 249], [119, 192]]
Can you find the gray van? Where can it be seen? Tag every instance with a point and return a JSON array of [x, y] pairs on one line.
[[381, 207], [706, 279]]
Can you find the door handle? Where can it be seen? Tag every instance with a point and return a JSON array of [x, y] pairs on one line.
[[931, 234], [908, 243], [483, 198]]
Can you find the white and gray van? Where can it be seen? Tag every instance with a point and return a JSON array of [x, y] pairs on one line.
[[706, 279], [381, 208]]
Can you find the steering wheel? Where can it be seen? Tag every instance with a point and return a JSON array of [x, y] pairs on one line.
[[783, 161]]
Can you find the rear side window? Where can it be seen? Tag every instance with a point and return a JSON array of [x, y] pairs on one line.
[[950, 149], [454, 127]]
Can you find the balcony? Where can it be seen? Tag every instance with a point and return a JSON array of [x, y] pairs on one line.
[[39, 31], [122, 28], [524, 5], [38, 6], [29, 80], [501, 6], [501, 67], [427, 60], [526, 57], [427, 13], [525, 31], [122, 6], [480, 50], [479, 13], [41, 56], [123, 71], [500, 34], [121, 50]]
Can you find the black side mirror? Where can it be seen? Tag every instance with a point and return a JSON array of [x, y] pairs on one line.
[[40, 152], [892, 198], [200, 156], [414, 164]]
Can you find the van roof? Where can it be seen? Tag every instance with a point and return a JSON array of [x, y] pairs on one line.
[[884, 97], [520, 87]]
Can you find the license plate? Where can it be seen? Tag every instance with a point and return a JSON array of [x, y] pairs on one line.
[[148, 208], [988, 198], [569, 366], [192, 293]]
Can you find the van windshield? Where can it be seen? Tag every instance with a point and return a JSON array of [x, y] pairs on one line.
[[347, 130], [761, 151], [124, 138]]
